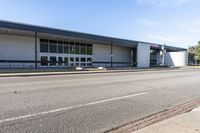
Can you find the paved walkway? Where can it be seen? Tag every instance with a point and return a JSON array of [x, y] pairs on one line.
[[185, 123]]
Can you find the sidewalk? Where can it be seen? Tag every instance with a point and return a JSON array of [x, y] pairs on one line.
[[184, 123]]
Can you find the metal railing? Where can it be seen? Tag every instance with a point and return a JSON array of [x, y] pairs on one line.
[[30, 64]]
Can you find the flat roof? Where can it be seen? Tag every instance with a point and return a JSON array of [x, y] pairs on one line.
[[87, 36]]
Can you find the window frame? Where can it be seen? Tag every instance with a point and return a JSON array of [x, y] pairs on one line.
[[44, 42], [53, 62], [53, 46], [44, 62]]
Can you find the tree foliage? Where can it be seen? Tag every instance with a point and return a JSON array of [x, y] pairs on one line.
[[194, 52], [197, 52]]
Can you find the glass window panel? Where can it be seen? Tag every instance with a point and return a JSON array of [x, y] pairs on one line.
[[77, 48], [52, 61], [77, 59], [66, 47], [66, 61], [89, 64], [71, 48], [53, 46], [83, 59], [60, 47], [83, 48], [44, 45], [44, 61], [60, 61], [71, 64], [89, 49], [71, 59], [89, 59], [83, 64]]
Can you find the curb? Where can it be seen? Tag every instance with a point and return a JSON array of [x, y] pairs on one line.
[[157, 117], [81, 72]]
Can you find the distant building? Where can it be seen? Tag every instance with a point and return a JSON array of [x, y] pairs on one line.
[[29, 46]]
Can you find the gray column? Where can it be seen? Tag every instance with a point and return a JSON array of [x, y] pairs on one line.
[[143, 55], [36, 66]]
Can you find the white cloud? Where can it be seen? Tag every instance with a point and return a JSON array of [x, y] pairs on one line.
[[193, 27], [146, 22], [163, 3], [183, 40], [195, 30], [164, 39]]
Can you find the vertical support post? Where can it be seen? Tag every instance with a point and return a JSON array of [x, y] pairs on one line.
[[111, 54], [36, 66], [163, 55]]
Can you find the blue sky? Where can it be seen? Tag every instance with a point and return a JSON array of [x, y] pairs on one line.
[[173, 22]]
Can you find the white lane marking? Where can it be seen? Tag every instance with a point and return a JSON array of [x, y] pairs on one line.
[[72, 107]]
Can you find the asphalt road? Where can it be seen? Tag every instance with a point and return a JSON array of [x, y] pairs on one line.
[[90, 102]]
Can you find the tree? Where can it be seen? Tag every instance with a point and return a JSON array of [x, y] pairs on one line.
[[197, 52], [194, 53]]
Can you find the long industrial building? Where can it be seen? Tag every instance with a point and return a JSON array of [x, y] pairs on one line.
[[30, 46]]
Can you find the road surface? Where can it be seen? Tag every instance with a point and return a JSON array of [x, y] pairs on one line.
[[90, 102]]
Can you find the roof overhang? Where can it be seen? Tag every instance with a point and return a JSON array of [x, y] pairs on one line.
[[45, 32], [13, 28]]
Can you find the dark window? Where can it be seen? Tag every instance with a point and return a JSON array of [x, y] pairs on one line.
[[53, 46], [89, 49], [60, 47], [44, 45], [71, 59], [83, 48], [44, 61], [77, 59], [89, 59], [66, 61], [77, 48], [71, 48], [52, 61], [66, 47], [60, 61], [89, 64], [83, 59], [83, 64], [71, 64]]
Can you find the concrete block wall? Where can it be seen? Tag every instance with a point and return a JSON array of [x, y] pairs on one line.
[[143, 55], [177, 59], [16, 48], [121, 54], [102, 53]]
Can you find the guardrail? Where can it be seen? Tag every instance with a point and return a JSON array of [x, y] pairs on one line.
[[25, 64]]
